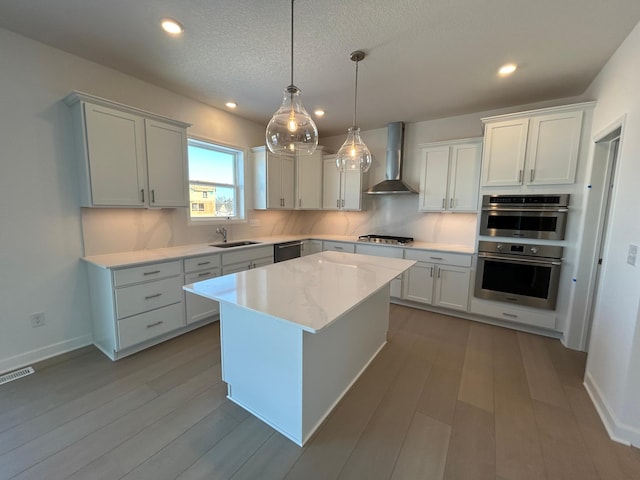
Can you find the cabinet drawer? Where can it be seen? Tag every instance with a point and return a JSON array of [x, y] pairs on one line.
[[148, 325], [247, 254], [144, 273], [378, 251], [513, 314], [339, 246], [201, 263], [445, 258], [197, 276], [148, 296]]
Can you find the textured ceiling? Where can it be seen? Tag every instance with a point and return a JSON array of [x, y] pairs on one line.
[[425, 58]]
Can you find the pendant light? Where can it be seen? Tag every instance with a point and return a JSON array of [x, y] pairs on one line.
[[291, 129], [353, 153]]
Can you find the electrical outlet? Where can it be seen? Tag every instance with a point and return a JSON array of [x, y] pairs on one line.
[[37, 319]]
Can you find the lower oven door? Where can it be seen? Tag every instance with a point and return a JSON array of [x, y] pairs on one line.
[[526, 282]]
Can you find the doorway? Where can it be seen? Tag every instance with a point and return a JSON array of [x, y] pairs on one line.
[[603, 178]]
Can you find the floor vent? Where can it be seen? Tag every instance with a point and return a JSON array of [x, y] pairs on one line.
[[9, 377]]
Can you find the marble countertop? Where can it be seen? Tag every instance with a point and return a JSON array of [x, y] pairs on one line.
[[141, 257], [311, 292]]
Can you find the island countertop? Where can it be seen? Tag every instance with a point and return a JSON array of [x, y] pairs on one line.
[[311, 292]]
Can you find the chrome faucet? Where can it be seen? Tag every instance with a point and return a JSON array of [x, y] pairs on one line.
[[222, 231]]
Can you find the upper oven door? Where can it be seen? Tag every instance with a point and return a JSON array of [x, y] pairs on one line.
[[521, 223]]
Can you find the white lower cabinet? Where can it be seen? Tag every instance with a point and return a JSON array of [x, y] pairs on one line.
[[382, 251], [246, 259], [197, 269], [135, 307], [438, 279], [309, 247]]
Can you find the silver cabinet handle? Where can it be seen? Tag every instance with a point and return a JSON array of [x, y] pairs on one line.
[[520, 176], [151, 325], [151, 273], [338, 248], [342, 203], [203, 274], [444, 203], [153, 196], [338, 203], [439, 270], [436, 258], [299, 202], [531, 177], [149, 297], [142, 194], [511, 315], [203, 263], [431, 272], [451, 203]]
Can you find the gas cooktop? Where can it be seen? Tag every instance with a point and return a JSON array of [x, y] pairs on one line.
[[386, 239]]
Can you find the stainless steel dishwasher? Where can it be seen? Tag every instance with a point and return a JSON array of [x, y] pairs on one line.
[[286, 251]]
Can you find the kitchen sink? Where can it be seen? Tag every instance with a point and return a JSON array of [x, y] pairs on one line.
[[233, 244]]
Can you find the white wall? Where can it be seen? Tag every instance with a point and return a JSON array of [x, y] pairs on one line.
[[41, 236], [613, 366]]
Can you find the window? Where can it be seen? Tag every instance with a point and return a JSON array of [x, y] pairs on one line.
[[215, 182]]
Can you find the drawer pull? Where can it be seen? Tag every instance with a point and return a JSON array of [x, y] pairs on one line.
[[511, 315], [151, 273], [203, 263], [149, 297], [155, 324], [203, 274], [338, 248], [436, 258]]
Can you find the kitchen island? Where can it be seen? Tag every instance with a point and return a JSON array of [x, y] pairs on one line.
[[296, 335]]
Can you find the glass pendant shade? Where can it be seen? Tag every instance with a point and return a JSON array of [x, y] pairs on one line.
[[353, 153], [291, 130]]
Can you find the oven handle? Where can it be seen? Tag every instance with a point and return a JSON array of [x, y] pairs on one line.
[[528, 209], [504, 258], [290, 244]]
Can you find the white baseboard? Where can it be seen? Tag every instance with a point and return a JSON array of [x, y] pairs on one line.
[[39, 354], [617, 430]]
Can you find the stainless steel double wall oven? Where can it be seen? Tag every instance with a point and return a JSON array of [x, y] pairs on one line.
[[521, 273]]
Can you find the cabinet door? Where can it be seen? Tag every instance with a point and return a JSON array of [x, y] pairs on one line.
[[287, 181], [116, 155], [309, 181], [504, 152], [274, 181], [330, 184], [419, 283], [464, 177], [198, 307], [167, 164], [553, 149], [351, 190], [434, 179], [452, 287]]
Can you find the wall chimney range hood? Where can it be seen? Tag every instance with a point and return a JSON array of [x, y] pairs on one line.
[[393, 185]]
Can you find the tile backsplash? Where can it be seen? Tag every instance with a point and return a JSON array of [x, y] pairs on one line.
[[121, 230]]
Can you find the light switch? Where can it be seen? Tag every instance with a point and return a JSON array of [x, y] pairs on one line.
[[632, 255]]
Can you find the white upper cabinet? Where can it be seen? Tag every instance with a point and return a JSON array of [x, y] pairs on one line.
[[341, 191], [274, 185], [129, 158], [309, 180], [450, 176], [532, 148]]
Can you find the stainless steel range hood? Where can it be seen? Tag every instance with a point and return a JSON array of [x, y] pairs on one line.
[[393, 185]]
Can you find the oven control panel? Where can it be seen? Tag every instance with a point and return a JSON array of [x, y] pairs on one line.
[[520, 249]]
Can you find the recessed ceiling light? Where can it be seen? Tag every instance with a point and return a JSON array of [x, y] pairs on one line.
[[319, 113], [231, 104], [507, 69], [172, 26]]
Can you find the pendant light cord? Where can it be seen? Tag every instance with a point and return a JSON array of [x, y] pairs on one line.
[[292, 41], [355, 98]]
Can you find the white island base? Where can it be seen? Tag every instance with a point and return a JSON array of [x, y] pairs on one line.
[[291, 378]]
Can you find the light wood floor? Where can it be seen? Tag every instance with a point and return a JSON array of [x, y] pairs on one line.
[[446, 398]]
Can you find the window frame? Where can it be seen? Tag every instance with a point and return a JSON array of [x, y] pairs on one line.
[[241, 155]]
